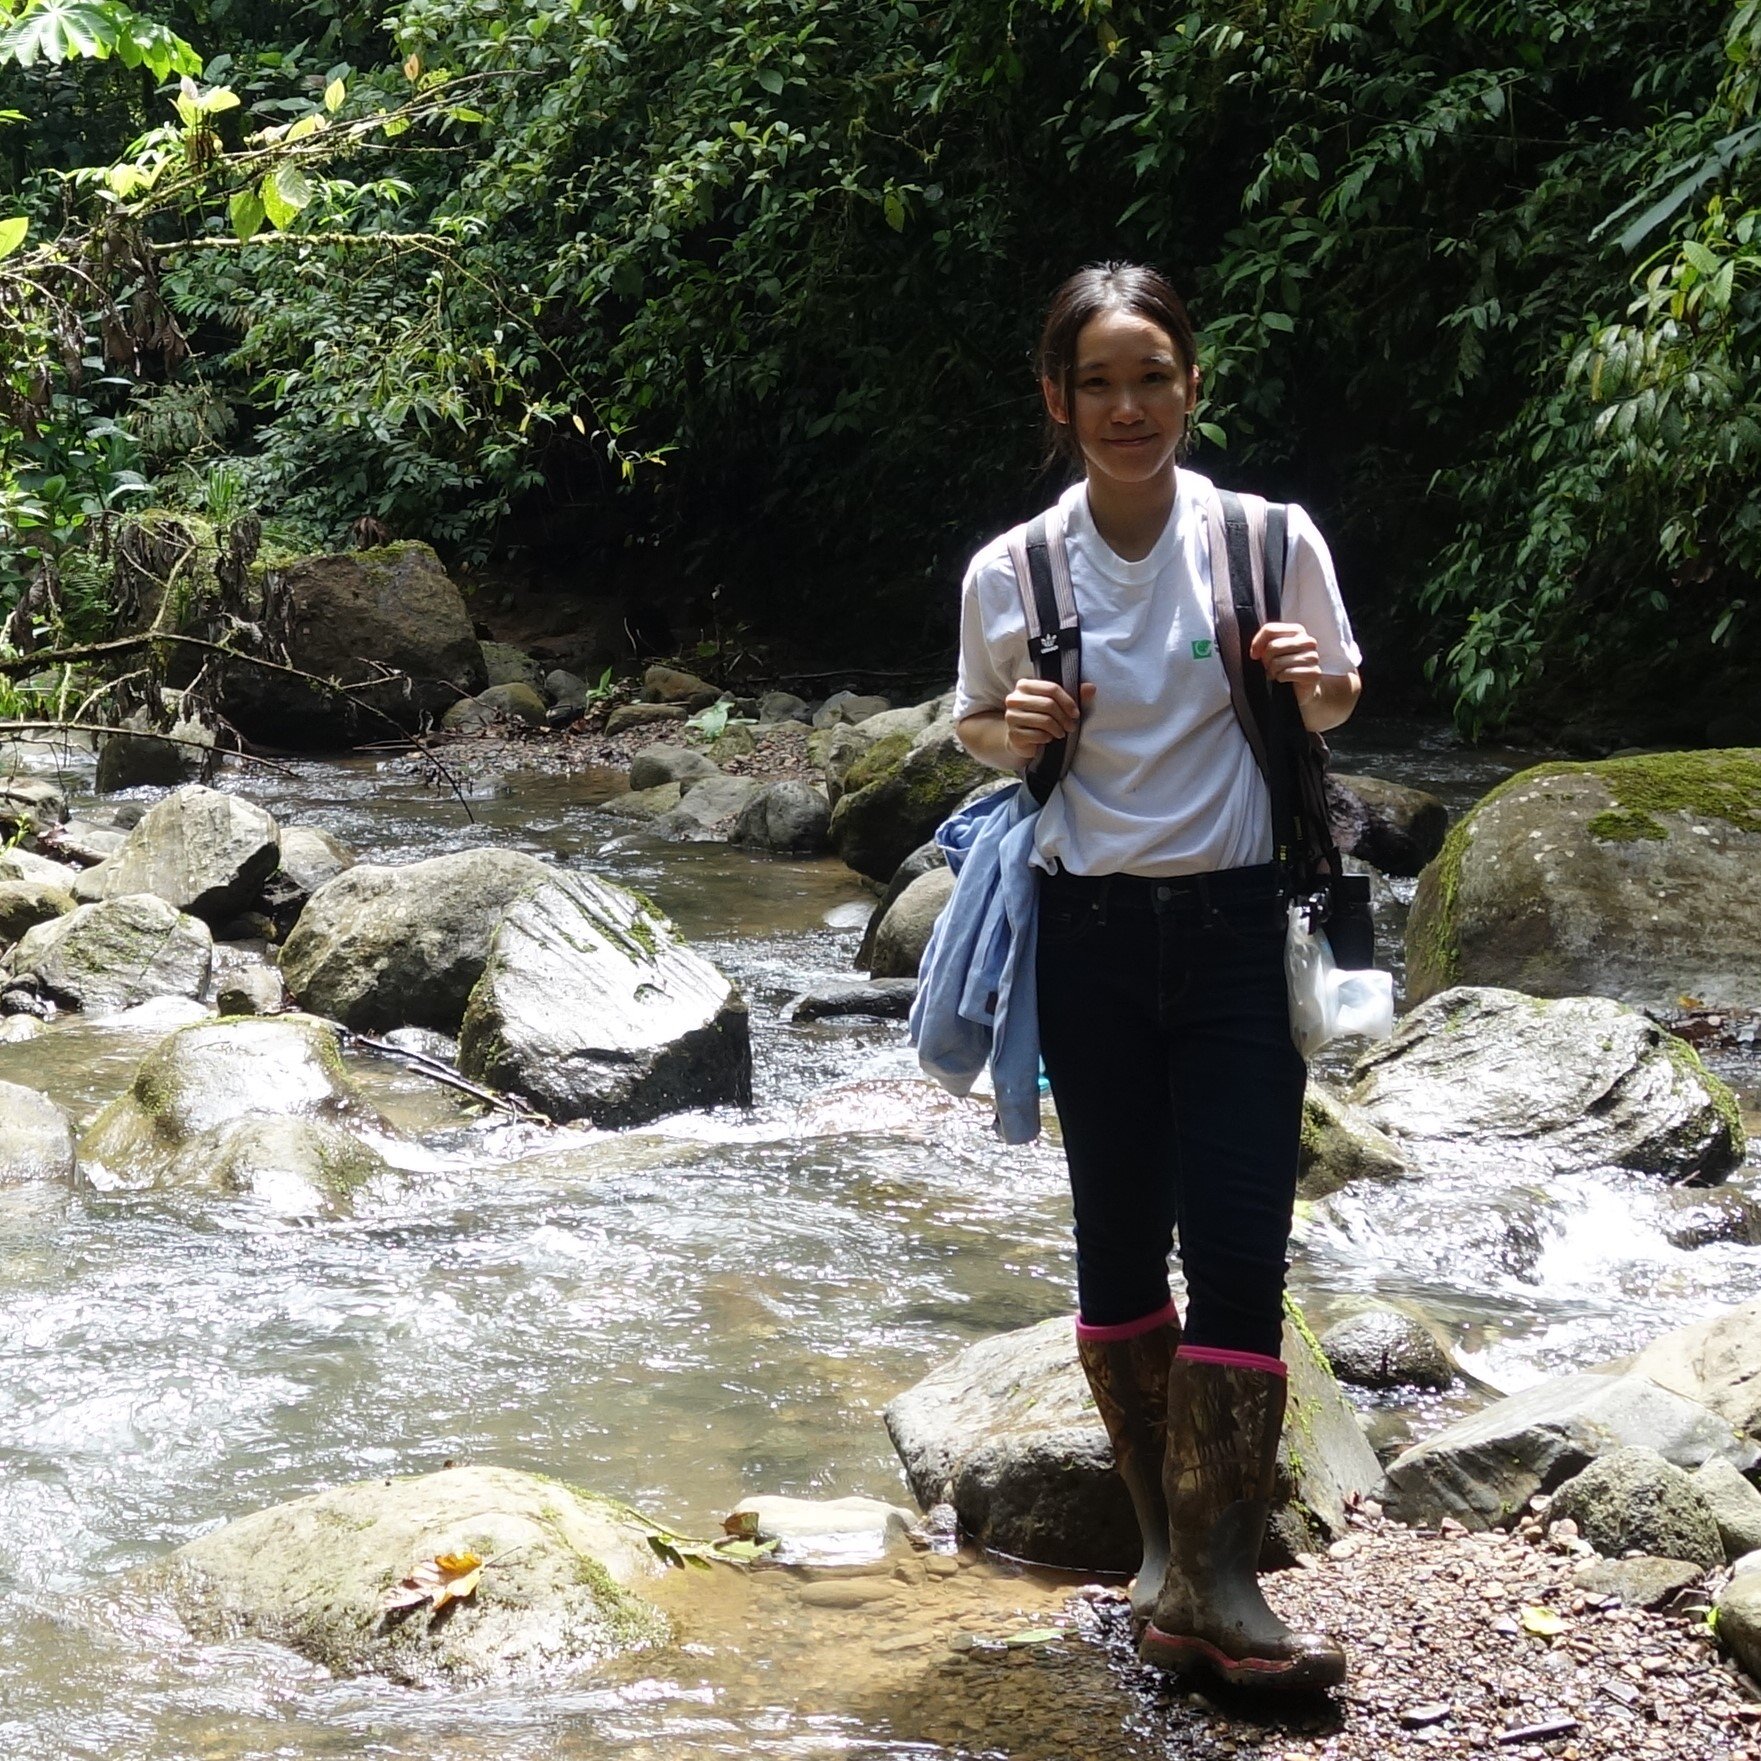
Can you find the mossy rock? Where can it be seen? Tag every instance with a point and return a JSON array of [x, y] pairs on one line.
[[878, 822], [560, 1592], [161, 1129], [1630, 878], [1340, 1144]]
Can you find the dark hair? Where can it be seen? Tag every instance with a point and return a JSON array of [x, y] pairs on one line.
[[1104, 287]]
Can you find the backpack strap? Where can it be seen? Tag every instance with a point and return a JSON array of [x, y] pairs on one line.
[[1054, 631], [1247, 589]]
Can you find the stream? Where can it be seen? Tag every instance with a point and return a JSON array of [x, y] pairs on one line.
[[679, 1315]]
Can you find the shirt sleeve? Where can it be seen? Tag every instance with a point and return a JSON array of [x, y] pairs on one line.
[[1311, 597], [993, 635]]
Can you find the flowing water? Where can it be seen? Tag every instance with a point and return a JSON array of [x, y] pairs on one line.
[[682, 1315]]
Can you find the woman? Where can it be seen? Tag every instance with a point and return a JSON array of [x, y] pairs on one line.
[[1163, 1014]]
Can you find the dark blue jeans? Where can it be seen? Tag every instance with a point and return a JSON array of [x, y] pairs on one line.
[[1165, 1029]]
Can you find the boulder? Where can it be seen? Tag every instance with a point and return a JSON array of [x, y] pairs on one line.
[[30, 806], [904, 932], [1716, 1362], [1600, 879], [592, 1006], [788, 818], [309, 858], [349, 617], [402, 946], [655, 765], [1383, 1348], [1632, 1500], [27, 865], [36, 1139], [640, 715], [1738, 1619], [108, 957], [823, 1531], [1009, 1426], [848, 706], [504, 664], [292, 1167], [1341, 1143], [250, 990], [838, 750], [911, 720], [709, 810], [199, 850], [560, 1589], [163, 1128], [518, 702], [921, 860], [1479, 1076], [25, 904], [1484, 1469], [884, 999], [1700, 1217], [781, 706], [144, 755], [565, 690], [881, 818], [1393, 828], [644, 804], [1735, 1507], [468, 716], [1644, 1582], [665, 684], [81, 842]]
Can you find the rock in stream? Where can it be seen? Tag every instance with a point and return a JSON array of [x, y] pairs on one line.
[[560, 1588]]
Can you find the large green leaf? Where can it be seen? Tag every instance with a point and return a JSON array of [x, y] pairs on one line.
[[94, 30], [285, 191], [12, 234]]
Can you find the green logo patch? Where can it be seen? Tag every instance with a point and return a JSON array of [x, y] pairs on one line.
[[1203, 648]]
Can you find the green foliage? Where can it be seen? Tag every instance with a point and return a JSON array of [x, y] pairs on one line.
[[1475, 278]]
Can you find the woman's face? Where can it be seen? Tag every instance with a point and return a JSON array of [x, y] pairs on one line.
[[1133, 397]]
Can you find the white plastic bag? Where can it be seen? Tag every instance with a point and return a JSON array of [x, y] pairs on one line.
[[1327, 1002]]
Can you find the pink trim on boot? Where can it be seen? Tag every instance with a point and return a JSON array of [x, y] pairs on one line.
[[1235, 1360], [1127, 1329]]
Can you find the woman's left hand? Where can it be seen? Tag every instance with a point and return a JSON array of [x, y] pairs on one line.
[[1290, 655]]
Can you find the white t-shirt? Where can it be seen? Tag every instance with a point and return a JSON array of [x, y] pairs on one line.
[[1164, 781]]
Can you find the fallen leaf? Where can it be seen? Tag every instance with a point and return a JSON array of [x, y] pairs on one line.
[[1542, 1622], [1036, 1635], [743, 1524], [447, 1577]]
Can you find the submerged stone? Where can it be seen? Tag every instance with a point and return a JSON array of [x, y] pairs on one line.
[[560, 1590], [36, 1138], [211, 1075]]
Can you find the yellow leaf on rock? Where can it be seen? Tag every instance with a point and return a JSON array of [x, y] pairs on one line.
[[448, 1577], [1542, 1622]]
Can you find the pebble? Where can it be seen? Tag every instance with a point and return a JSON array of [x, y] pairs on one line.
[[846, 1593]]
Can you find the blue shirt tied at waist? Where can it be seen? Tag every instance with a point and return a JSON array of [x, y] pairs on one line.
[[977, 995]]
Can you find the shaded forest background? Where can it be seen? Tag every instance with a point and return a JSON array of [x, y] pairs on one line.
[[720, 312]]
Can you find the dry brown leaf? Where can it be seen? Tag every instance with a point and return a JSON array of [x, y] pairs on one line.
[[447, 1577]]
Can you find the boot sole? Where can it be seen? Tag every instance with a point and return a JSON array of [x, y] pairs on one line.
[[1180, 1655]]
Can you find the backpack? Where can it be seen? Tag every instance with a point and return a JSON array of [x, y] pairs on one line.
[[1247, 544]]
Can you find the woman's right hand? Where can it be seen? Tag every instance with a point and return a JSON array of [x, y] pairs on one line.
[[1038, 712]]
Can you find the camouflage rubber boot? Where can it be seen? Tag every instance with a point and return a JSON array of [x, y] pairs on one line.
[[1127, 1370], [1225, 1414]]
